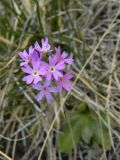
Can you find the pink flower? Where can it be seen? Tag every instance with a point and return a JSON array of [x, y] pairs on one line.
[[27, 57], [53, 69], [62, 56], [34, 73], [45, 47], [48, 69], [63, 82], [45, 90]]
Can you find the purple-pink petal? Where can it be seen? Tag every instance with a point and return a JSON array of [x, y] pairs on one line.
[[64, 54], [45, 45], [37, 46], [36, 64], [68, 60], [37, 79], [49, 97], [39, 96], [31, 50], [27, 69], [35, 56], [23, 64], [23, 54], [37, 86], [49, 76], [68, 76], [46, 40], [51, 61], [57, 74], [67, 86], [52, 89], [58, 50], [42, 71], [59, 84], [42, 41], [60, 66], [28, 79], [47, 83]]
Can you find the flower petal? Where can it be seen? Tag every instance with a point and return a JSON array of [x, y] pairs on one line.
[[42, 41], [49, 97], [35, 56], [37, 79], [67, 76], [51, 62], [28, 79], [46, 40], [58, 50], [39, 96], [60, 66], [57, 74], [37, 46], [23, 55], [67, 86], [64, 54], [31, 50], [48, 47], [59, 85], [23, 63], [42, 71], [52, 89], [68, 60], [35, 64], [48, 76], [27, 69], [37, 86], [55, 59], [47, 83]]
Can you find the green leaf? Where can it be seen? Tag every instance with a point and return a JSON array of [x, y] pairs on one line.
[[79, 126], [87, 134], [70, 135], [85, 126], [88, 128], [88, 125], [101, 136], [82, 107]]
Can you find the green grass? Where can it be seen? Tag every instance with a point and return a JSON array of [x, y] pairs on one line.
[[90, 31]]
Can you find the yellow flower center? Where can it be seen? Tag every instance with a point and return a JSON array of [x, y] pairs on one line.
[[52, 69], [35, 73], [44, 53]]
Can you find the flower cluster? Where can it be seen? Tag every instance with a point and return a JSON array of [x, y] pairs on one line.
[[46, 69]]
